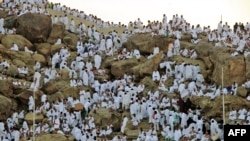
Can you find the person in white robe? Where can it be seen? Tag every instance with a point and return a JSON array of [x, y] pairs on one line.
[[58, 41], [31, 103], [37, 65], [36, 79], [14, 47], [156, 75], [109, 43], [214, 127], [85, 78], [162, 86], [241, 45], [124, 123], [193, 54], [72, 26], [242, 114], [156, 50], [170, 50], [136, 53], [26, 49], [98, 61], [176, 47], [177, 134], [233, 115], [2, 30]]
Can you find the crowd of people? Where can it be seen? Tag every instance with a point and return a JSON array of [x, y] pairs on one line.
[[167, 117]]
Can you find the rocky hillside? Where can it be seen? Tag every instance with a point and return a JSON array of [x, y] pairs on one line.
[[39, 35]]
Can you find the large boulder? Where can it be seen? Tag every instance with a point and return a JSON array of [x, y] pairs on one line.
[[71, 40], [149, 84], [145, 43], [6, 107], [29, 117], [56, 32], [234, 67], [40, 58], [8, 40], [49, 88], [247, 61], [35, 27], [53, 137], [119, 68], [242, 92], [104, 117], [62, 94], [10, 21], [214, 108], [24, 96], [20, 55], [44, 49], [149, 66], [6, 88], [56, 48]]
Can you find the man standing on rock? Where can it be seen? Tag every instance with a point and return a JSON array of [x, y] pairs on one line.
[[37, 77]]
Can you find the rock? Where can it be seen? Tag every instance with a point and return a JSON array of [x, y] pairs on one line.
[[8, 40], [3, 14], [104, 117], [29, 117], [18, 62], [10, 21], [12, 71], [6, 88], [63, 93], [53, 137], [35, 27], [44, 49], [57, 31], [40, 58], [119, 68], [71, 40], [145, 43], [203, 49], [247, 61], [234, 68], [149, 84], [56, 48], [213, 108], [6, 107], [24, 96], [242, 92], [150, 65], [64, 74], [70, 91], [20, 55], [49, 88]]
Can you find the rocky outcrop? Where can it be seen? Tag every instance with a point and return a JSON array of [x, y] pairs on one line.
[[53, 137], [214, 108], [7, 106], [6, 88], [56, 32], [44, 49], [8, 40], [145, 43], [29, 117], [104, 117], [234, 67], [119, 68], [34, 27]]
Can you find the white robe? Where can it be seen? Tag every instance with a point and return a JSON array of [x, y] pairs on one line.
[[124, 123], [37, 77], [98, 61]]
